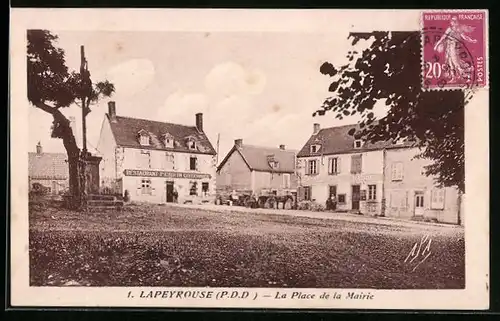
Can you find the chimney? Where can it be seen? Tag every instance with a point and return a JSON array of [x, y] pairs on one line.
[[282, 147], [238, 143], [199, 122], [316, 128], [39, 148], [112, 111]]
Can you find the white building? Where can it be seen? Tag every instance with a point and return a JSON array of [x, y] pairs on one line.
[[155, 161]]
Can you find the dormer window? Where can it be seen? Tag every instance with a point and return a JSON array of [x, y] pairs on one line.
[[191, 143], [358, 143], [315, 148], [273, 163], [168, 140], [143, 137]]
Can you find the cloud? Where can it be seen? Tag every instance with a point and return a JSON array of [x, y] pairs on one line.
[[131, 76], [180, 107], [230, 78]]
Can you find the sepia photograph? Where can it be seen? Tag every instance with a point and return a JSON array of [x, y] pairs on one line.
[[172, 163]]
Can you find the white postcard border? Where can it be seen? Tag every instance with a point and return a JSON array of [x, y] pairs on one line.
[[476, 221]]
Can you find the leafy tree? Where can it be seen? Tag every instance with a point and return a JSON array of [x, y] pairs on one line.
[[390, 70], [51, 87]]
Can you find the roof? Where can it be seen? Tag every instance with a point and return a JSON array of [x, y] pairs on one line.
[[126, 129], [336, 140], [256, 157], [48, 166]]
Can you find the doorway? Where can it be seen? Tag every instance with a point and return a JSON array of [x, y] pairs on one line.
[[331, 203], [355, 197], [170, 192], [419, 203]]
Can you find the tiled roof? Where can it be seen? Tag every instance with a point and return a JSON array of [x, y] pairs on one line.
[[125, 131], [336, 140], [257, 159], [48, 166]]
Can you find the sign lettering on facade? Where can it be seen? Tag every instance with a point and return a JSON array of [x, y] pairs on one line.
[[150, 173]]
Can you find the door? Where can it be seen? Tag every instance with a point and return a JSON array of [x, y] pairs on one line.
[[419, 203], [332, 202], [355, 197], [170, 192], [332, 191]]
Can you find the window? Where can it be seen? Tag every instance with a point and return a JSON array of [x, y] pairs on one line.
[[437, 199], [333, 166], [397, 171], [356, 162], [312, 167], [286, 180], [144, 159], [146, 186], [169, 142], [315, 148], [144, 139], [193, 190], [358, 143], [193, 163], [341, 199], [372, 192], [307, 193], [274, 164], [191, 144], [169, 161], [204, 188]]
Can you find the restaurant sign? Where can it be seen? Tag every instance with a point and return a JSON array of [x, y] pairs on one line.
[[150, 173]]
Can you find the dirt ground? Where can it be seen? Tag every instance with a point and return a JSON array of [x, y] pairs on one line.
[[180, 246]]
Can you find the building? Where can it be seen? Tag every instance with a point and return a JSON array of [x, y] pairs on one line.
[[380, 178], [411, 194], [156, 162], [334, 163], [257, 170], [48, 171]]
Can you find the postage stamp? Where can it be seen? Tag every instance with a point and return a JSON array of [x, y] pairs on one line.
[[215, 162], [454, 49]]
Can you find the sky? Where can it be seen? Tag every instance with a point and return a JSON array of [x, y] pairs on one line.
[[261, 87]]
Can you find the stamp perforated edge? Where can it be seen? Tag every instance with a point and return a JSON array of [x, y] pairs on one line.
[[486, 47]]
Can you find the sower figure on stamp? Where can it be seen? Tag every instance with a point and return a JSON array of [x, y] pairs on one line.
[[449, 43]]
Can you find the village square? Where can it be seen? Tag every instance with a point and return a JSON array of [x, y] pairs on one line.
[[199, 199]]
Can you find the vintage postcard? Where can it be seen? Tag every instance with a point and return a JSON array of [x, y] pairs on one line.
[[278, 159]]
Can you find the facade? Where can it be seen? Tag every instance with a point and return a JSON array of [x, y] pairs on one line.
[[371, 178], [257, 170], [156, 162], [48, 171], [411, 194]]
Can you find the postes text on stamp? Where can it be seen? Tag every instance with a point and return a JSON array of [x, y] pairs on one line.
[[454, 49]]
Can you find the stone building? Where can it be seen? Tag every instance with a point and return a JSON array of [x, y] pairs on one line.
[[380, 178], [156, 162], [48, 171], [258, 170]]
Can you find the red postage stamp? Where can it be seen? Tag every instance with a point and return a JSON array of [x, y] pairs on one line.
[[454, 49]]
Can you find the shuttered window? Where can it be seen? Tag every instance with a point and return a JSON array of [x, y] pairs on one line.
[[333, 165], [437, 199], [356, 164], [397, 171]]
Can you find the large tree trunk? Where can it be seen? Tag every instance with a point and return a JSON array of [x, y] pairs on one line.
[[62, 129]]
